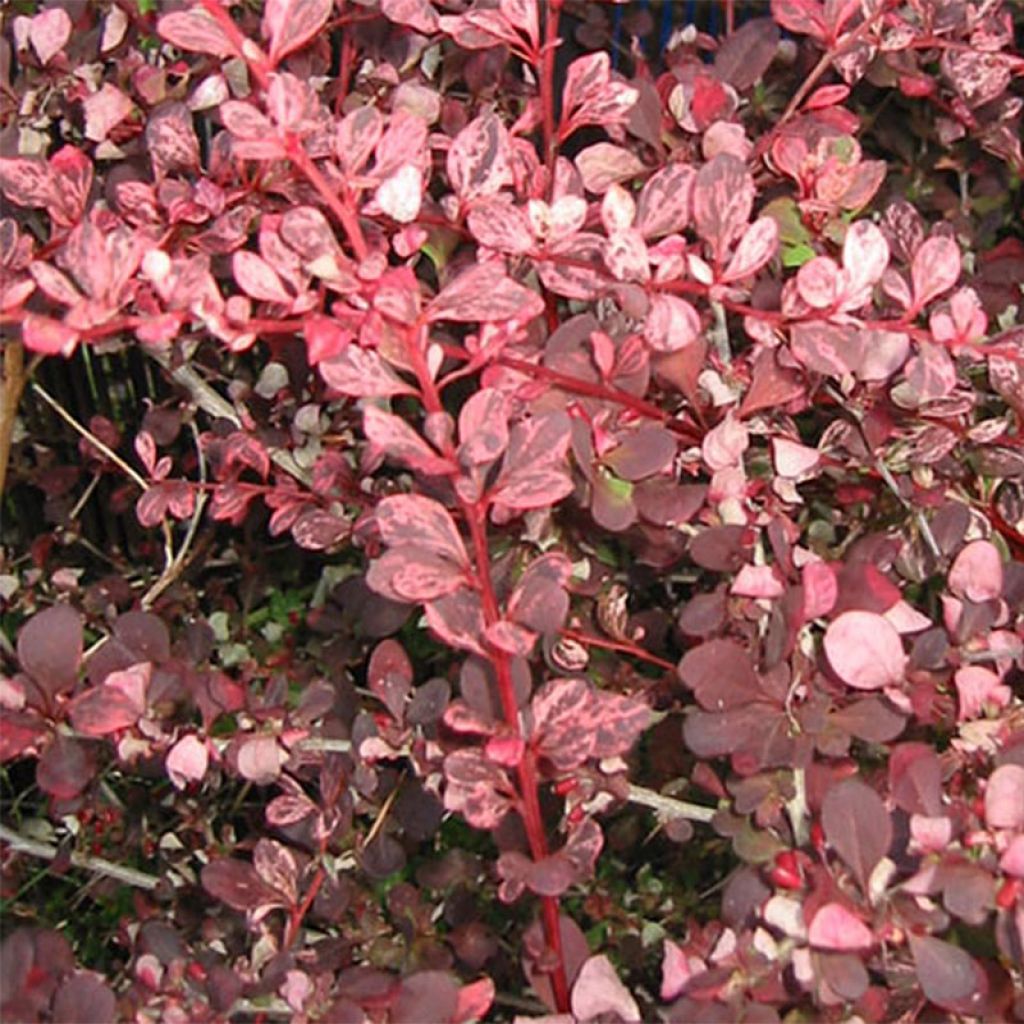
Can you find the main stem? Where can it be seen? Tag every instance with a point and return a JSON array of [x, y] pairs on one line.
[[475, 514], [552, 10], [476, 517]]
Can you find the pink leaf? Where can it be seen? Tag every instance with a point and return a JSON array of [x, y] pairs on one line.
[[477, 789], [290, 24], [977, 572], [260, 759], [758, 581], [820, 589], [936, 268], [72, 175], [458, 620], [819, 283], [195, 30], [237, 884], [415, 519], [603, 164], [834, 927], [483, 428], [483, 294], [672, 323], [256, 277], [474, 1001], [592, 96], [49, 32], [362, 373], [1004, 797], [665, 201], [677, 968], [399, 441], [105, 110], [500, 225], [1012, 860], [358, 134], [410, 573], [187, 761], [479, 158], [48, 337], [755, 249], [599, 994], [865, 650], [979, 689], [723, 196], [417, 14], [50, 648], [26, 182]]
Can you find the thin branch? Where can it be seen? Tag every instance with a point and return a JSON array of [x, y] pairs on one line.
[[215, 405], [174, 567], [99, 865], [669, 806], [70, 420], [10, 395]]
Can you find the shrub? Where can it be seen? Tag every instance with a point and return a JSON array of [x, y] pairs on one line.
[[593, 411]]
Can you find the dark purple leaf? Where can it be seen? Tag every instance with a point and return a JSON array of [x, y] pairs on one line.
[[857, 826], [721, 674], [236, 883], [743, 57], [643, 453], [915, 779], [389, 675], [50, 648], [66, 768], [84, 999], [949, 977]]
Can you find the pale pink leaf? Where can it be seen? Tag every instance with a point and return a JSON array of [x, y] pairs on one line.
[[603, 164], [1012, 860], [401, 194], [821, 589], [672, 323], [362, 373], [755, 249], [977, 689], [977, 572], [1004, 797], [836, 928], [484, 293], [599, 994], [49, 32], [416, 14], [187, 761], [723, 196], [479, 160], [260, 759], [758, 581], [865, 650], [665, 201], [483, 428], [257, 278], [290, 24], [105, 110], [819, 283], [865, 256], [500, 225], [196, 31], [936, 268]]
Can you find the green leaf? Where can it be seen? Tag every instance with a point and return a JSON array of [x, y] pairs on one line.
[[797, 255]]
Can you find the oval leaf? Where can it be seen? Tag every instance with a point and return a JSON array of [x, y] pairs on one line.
[[865, 650]]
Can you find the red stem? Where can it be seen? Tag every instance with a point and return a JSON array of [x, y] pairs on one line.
[[245, 49], [340, 207], [589, 640], [552, 11], [605, 392], [476, 518], [295, 919], [475, 514]]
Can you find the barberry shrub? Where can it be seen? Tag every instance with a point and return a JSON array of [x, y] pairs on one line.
[[642, 443]]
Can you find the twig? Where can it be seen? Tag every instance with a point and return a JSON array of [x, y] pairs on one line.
[[173, 569], [213, 404], [102, 866], [90, 437], [10, 395], [669, 806]]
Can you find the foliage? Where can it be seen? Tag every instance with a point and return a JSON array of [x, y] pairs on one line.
[[593, 411]]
